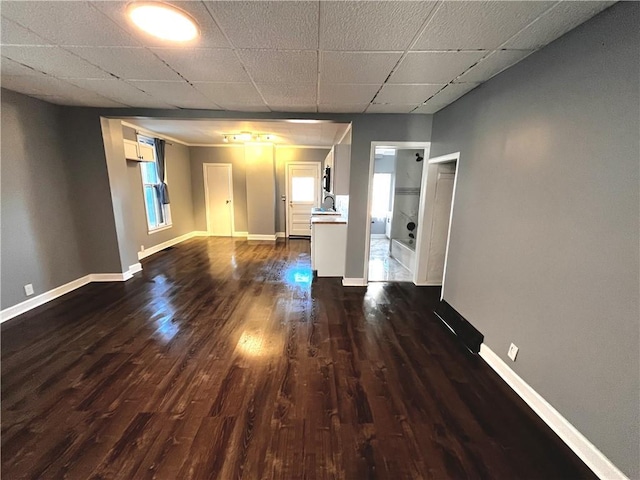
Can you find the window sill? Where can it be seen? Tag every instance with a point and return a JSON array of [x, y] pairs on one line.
[[159, 229]]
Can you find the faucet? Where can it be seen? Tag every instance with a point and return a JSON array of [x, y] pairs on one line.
[[333, 201]]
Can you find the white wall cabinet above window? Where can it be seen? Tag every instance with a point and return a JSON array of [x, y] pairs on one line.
[[138, 151]]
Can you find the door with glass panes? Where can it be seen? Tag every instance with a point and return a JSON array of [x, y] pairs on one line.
[[303, 193]]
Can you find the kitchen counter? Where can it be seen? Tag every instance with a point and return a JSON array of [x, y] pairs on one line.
[[328, 245], [328, 219]]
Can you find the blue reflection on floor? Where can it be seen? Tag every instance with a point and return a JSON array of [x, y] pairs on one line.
[[298, 276]]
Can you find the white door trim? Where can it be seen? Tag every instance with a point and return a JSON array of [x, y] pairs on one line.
[[206, 194], [318, 166], [426, 146]]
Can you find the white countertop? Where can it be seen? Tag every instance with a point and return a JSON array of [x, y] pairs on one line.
[[328, 219]]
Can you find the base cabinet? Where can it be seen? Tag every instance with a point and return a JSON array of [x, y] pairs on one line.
[[328, 249]]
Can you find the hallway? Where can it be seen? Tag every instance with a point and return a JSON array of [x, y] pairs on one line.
[[225, 359]]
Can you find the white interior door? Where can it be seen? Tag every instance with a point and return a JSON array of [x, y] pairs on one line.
[[440, 227], [218, 188], [303, 193]]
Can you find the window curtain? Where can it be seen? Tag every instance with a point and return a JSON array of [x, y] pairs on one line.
[[162, 191]]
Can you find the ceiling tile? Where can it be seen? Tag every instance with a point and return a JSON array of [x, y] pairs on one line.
[[120, 91], [389, 108], [230, 93], [127, 63], [563, 17], [14, 34], [493, 64], [354, 94], [434, 67], [86, 101], [204, 64], [235, 107], [477, 24], [47, 85], [210, 34], [291, 66], [53, 60], [293, 109], [342, 108], [180, 94], [447, 96], [67, 23], [371, 25], [407, 94], [357, 67], [272, 25], [284, 94], [9, 67]]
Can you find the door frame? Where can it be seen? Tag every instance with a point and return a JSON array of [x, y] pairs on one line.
[[206, 195], [318, 166], [426, 147], [426, 217]]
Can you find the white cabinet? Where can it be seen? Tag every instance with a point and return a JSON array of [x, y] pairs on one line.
[[138, 151], [339, 159], [328, 246]]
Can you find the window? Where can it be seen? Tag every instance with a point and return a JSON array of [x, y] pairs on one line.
[[158, 215], [303, 189], [381, 198]]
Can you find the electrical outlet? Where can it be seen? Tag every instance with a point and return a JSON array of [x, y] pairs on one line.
[[513, 351], [28, 290], [142, 248]]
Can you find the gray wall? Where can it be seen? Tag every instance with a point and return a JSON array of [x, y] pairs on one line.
[[261, 189], [178, 165], [286, 155], [233, 155], [39, 235], [548, 193]]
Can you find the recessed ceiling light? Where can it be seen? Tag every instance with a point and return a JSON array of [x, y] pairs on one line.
[[163, 21]]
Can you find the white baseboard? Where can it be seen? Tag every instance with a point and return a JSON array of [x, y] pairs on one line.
[[240, 234], [280, 234], [23, 307], [428, 284], [169, 243], [200, 233], [582, 447], [354, 282], [268, 238]]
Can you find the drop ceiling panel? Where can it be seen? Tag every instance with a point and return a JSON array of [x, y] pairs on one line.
[[244, 107], [447, 96], [14, 34], [204, 64], [563, 17], [121, 92], [389, 108], [53, 61], [180, 94], [284, 94], [47, 85], [9, 67], [434, 67], [210, 35], [294, 108], [371, 25], [127, 63], [493, 64], [275, 25], [230, 93], [67, 23], [342, 107], [477, 24], [407, 94], [357, 67], [84, 101], [355, 94], [279, 66]]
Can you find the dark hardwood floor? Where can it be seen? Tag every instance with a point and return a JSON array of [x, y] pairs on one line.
[[222, 359]]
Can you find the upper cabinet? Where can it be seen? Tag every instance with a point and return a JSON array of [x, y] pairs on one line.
[[138, 151], [341, 158]]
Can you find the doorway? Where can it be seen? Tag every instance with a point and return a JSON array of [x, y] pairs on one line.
[[218, 194], [303, 193], [395, 190]]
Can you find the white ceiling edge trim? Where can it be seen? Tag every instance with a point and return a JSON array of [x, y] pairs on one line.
[[345, 133]]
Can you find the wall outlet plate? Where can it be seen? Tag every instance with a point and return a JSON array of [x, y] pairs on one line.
[[28, 290], [513, 351]]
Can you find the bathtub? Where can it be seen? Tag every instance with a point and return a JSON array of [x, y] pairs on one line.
[[404, 251]]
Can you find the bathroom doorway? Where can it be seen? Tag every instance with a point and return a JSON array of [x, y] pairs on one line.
[[394, 211]]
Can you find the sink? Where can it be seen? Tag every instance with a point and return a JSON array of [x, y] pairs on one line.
[[323, 211]]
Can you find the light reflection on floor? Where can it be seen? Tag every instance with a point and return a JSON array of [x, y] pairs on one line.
[[298, 276]]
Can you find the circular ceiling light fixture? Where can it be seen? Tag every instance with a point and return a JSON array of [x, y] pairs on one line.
[[163, 21]]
